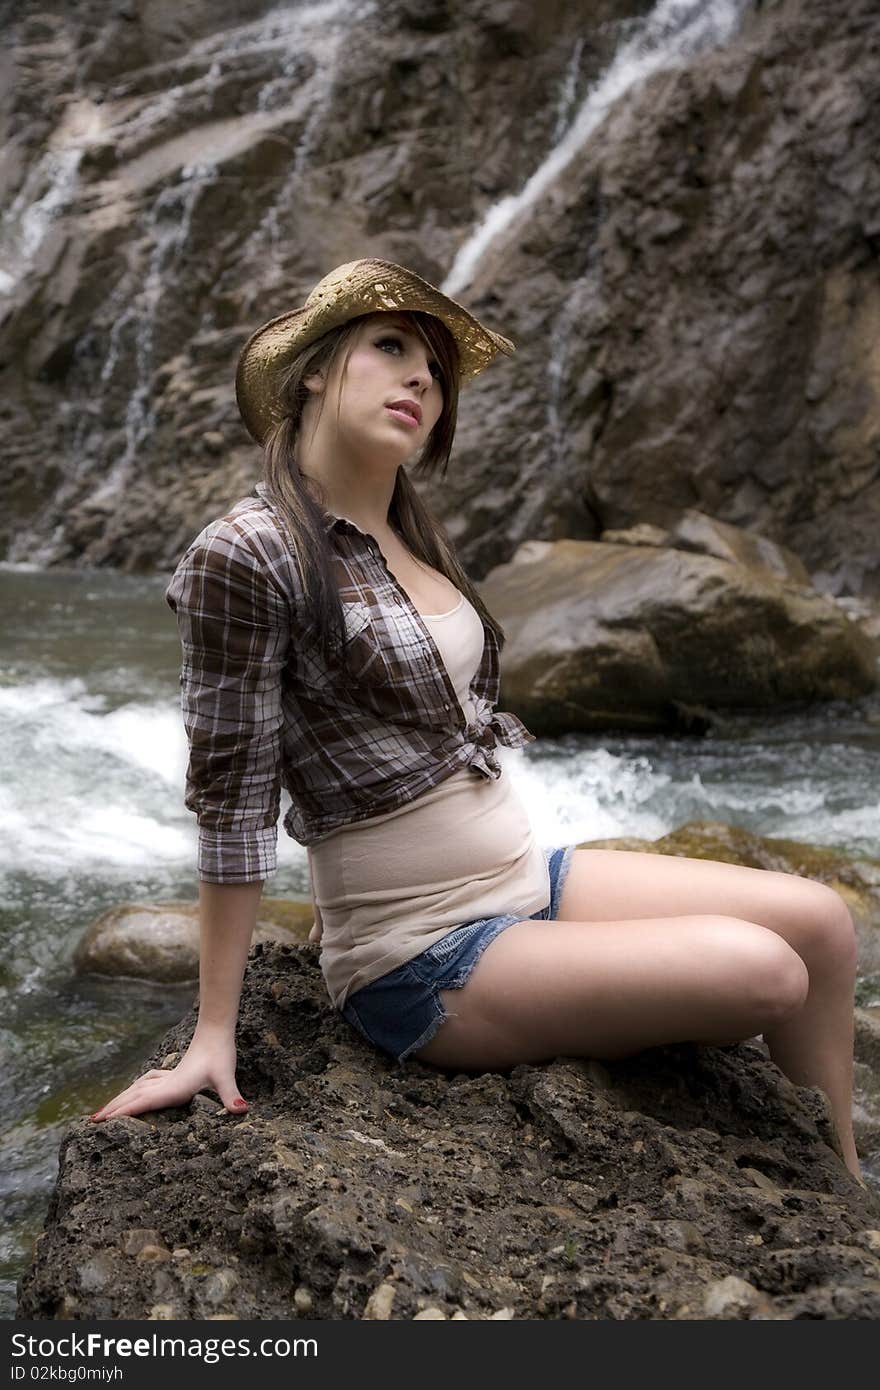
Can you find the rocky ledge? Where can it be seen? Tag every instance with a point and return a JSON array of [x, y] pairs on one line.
[[690, 1182]]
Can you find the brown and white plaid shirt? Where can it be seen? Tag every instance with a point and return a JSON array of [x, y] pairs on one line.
[[263, 709]]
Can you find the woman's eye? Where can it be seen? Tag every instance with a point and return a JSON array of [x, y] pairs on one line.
[[435, 366]]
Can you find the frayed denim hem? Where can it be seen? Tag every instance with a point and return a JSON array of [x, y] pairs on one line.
[[567, 861]]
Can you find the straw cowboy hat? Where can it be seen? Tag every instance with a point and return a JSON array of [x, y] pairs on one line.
[[359, 287]]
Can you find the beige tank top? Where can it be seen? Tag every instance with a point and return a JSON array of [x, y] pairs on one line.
[[390, 886]]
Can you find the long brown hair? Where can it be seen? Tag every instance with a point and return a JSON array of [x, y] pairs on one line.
[[291, 493]]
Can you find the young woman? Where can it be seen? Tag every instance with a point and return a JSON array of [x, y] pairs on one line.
[[333, 644]]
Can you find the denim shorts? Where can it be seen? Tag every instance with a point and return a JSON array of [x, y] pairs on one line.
[[401, 1011]]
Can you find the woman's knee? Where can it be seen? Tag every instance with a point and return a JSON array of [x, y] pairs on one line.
[[779, 980], [833, 942], [762, 969]]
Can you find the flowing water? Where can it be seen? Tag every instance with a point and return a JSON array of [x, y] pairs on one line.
[[91, 792]]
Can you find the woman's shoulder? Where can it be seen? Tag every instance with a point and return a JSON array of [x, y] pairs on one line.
[[250, 523], [247, 538]]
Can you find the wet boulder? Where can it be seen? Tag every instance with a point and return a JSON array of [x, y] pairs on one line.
[[650, 637], [160, 941], [695, 531]]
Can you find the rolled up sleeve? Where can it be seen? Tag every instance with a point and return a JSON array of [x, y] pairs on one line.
[[234, 626]]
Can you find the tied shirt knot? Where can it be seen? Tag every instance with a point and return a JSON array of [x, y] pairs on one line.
[[483, 734]]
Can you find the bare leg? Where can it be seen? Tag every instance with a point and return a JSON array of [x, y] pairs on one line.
[[815, 1048], [611, 989], [674, 998]]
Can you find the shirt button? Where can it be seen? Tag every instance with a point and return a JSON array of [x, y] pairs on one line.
[[446, 706]]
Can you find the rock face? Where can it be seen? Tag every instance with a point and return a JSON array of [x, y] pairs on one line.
[[688, 1183], [644, 636], [691, 283]]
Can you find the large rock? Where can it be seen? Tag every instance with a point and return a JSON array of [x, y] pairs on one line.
[[644, 637], [687, 1183], [695, 531], [160, 941]]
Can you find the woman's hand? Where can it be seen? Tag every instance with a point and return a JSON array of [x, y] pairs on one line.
[[317, 930], [208, 1063]]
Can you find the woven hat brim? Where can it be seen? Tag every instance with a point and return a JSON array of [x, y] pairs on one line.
[[359, 287]]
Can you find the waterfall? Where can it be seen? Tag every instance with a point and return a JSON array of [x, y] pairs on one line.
[[332, 23], [668, 37], [168, 227], [48, 189], [162, 167]]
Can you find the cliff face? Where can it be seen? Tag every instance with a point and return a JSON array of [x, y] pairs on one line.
[[689, 274]]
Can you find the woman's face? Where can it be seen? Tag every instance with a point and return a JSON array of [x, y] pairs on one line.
[[389, 363]]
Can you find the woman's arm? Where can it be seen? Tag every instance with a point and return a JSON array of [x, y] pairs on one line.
[[235, 630], [227, 917], [234, 625]]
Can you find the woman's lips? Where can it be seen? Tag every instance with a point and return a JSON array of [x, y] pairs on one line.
[[404, 416]]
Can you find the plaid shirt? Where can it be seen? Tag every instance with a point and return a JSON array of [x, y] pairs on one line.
[[263, 709]]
